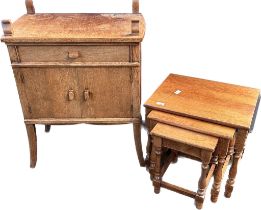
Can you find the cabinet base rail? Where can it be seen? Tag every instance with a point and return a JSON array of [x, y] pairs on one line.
[[71, 121]]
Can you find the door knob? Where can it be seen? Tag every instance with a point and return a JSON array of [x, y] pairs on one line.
[[86, 95], [70, 95]]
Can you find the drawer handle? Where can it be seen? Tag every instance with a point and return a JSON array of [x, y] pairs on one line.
[[73, 55], [70, 95], [86, 95]]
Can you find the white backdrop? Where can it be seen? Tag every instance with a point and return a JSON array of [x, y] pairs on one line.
[[95, 167]]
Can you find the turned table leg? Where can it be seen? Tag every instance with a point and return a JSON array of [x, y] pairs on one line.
[[47, 128], [152, 159], [31, 132], [217, 179], [175, 157], [157, 149], [148, 152], [238, 150], [222, 150], [149, 145], [137, 138], [202, 183]]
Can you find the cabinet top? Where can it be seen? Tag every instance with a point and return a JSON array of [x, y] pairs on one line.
[[76, 28]]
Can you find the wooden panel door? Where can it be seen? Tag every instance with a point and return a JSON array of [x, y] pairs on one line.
[[106, 92], [48, 92]]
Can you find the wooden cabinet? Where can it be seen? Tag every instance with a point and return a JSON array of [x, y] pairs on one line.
[[77, 68]]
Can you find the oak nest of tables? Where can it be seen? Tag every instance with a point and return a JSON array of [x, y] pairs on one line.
[[207, 107]]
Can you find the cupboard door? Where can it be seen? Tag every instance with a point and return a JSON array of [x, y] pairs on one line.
[[48, 92], [106, 92]]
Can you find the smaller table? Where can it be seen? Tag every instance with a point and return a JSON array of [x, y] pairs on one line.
[[225, 104]]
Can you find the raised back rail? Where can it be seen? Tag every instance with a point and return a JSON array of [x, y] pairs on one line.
[[31, 10]]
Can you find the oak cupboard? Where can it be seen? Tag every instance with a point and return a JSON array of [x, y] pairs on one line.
[[77, 68]]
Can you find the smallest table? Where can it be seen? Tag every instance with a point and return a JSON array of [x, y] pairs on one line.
[[225, 104]]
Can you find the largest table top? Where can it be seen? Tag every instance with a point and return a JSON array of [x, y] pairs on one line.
[[217, 102]]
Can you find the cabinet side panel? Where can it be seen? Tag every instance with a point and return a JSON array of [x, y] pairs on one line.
[[136, 83], [22, 93], [13, 53]]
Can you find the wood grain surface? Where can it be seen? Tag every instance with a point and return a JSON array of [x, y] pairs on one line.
[[59, 92], [76, 28], [184, 136], [181, 140], [217, 102], [75, 53], [192, 124]]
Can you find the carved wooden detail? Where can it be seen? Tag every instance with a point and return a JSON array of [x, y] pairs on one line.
[[148, 152], [71, 95], [151, 158], [202, 185], [135, 6], [157, 170], [231, 147], [86, 94], [217, 179], [29, 6], [239, 148], [223, 148], [7, 27], [135, 24]]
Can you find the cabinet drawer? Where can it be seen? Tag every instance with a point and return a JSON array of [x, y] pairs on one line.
[[74, 53]]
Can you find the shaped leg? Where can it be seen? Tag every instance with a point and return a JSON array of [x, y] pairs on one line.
[[217, 179], [214, 159], [47, 128], [152, 161], [221, 152], [137, 138], [202, 183], [157, 141], [31, 132], [149, 142], [148, 152], [231, 147], [239, 147], [232, 174], [175, 157]]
